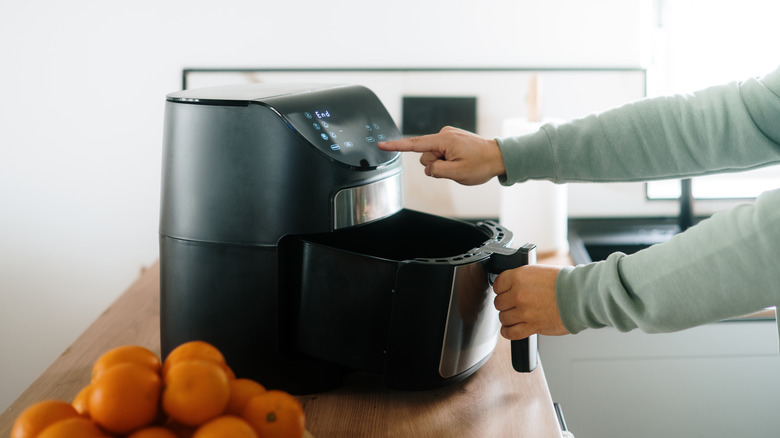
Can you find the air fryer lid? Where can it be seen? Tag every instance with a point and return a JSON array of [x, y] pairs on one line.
[[343, 121]]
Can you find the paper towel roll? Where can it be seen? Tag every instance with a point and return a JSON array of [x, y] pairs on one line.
[[534, 211]]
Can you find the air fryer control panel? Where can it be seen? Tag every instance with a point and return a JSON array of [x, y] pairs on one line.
[[345, 123]]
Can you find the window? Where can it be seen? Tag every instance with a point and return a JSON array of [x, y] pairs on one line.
[[699, 43]]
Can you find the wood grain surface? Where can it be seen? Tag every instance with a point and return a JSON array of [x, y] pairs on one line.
[[494, 402]]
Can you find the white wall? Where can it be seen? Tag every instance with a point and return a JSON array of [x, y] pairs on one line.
[[82, 87]]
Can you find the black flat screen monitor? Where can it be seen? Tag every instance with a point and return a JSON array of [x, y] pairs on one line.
[[428, 114]]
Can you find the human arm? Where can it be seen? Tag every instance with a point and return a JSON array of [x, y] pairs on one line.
[[723, 267], [726, 266], [727, 128]]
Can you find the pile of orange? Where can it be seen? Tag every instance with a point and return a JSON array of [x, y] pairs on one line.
[[193, 394]]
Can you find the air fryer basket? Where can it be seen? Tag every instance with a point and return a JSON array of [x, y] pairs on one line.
[[377, 297]]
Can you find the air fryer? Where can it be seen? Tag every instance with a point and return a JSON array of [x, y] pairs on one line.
[[284, 242]]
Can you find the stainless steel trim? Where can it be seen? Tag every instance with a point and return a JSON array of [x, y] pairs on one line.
[[472, 327], [361, 204]]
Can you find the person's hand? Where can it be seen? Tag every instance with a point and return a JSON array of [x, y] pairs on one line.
[[455, 154], [525, 299]]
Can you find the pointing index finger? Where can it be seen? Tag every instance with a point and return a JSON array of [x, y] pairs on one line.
[[423, 143]]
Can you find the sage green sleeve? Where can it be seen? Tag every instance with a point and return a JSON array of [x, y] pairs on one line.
[[727, 128], [724, 266]]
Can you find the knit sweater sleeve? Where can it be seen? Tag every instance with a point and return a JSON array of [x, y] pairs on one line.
[[724, 266], [727, 128]]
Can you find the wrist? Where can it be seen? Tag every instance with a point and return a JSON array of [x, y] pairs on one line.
[[496, 159]]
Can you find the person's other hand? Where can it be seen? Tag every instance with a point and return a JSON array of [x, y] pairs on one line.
[[455, 154], [525, 299]]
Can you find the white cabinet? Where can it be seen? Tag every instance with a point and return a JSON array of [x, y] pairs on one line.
[[717, 380]]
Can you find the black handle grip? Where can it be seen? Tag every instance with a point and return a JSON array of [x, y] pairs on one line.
[[524, 351]]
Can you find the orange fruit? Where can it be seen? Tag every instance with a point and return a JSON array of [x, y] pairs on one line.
[[226, 426], [81, 401], [241, 390], [125, 397], [228, 372], [275, 414], [37, 417], [153, 432], [126, 354], [195, 391], [73, 427], [194, 350]]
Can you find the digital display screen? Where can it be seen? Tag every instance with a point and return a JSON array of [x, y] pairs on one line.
[[346, 123]]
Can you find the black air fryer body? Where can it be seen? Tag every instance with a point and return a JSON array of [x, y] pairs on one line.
[[284, 242]]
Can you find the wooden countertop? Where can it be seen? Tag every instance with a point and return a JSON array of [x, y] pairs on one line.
[[495, 401]]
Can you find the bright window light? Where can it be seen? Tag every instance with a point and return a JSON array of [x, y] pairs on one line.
[[700, 43], [745, 185]]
